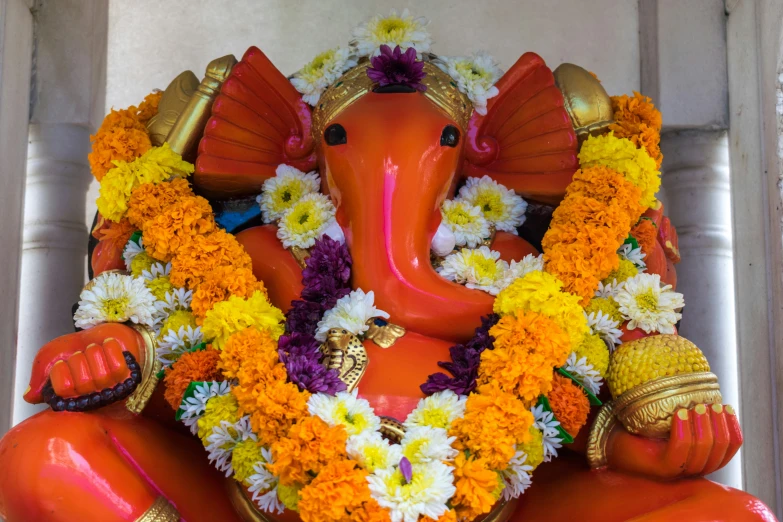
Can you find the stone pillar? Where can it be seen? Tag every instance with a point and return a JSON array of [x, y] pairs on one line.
[[68, 92]]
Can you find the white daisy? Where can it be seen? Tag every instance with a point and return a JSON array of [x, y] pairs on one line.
[[605, 327], [223, 440], [634, 255], [393, 30], [466, 221], [423, 444], [156, 270], [427, 493], [350, 313], [115, 298], [173, 344], [477, 268], [288, 186], [372, 451], [131, 250], [178, 299], [609, 289], [438, 410], [516, 477], [546, 422], [195, 405], [648, 305], [517, 269], [444, 241], [345, 409], [475, 76], [584, 372], [313, 79], [305, 221], [263, 485], [500, 206]]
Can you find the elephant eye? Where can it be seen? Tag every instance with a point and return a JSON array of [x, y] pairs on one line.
[[335, 135], [449, 137]]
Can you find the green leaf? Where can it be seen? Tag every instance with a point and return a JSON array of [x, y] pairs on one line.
[[136, 237], [189, 392], [199, 347], [630, 240], [595, 401], [564, 435]]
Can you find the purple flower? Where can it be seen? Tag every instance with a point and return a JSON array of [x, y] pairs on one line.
[[327, 272], [397, 68], [406, 469], [297, 344], [303, 317], [301, 355]]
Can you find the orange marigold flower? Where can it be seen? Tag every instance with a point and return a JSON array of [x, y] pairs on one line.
[[220, 284], [149, 107], [249, 355], [493, 424], [448, 516], [338, 490], [204, 253], [593, 220], [371, 511], [117, 144], [637, 119], [151, 199], [273, 404], [200, 365], [527, 346], [175, 226], [569, 404], [646, 235], [475, 482], [311, 444], [107, 230]]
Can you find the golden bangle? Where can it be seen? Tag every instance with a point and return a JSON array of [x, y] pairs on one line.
[[160, 511], [137, 400], [599, 436]]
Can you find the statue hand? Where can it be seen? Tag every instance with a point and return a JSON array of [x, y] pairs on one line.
[[702, 440], [87, 369]]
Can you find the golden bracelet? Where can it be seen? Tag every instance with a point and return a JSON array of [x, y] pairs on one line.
[[599, 436], [160, 511]]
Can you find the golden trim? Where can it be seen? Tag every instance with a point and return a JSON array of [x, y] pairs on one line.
[[137, 400], [301, 255], [160, 511], [244, 506], [647, 409], [599, 436], [392, 429], [501, 512], [384, 336]]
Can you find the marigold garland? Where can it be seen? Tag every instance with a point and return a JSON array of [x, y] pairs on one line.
[[309, 447], [176, 226], [475, 482], [235, 314], [201, 365], [569, 404], [204, 253], [637, 119], [152, 199], [339, 489], [220, 284], [646, 235]]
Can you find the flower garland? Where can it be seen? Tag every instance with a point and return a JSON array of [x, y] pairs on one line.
[[251, 383]]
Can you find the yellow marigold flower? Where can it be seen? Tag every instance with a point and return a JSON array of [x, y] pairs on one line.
[[236, 314], [310, 445], [541, 292], [166, 233], [203, 254], [596, 351], [221, 283], [621, 155], [534, 448], [493, 424], [340, 488], [527, 347], [154, 166], [289, 496], [475, 482], [159, 286], [151, 199], [625, 271], [607, 305], [220, 408], [140, 263], [244, 456]]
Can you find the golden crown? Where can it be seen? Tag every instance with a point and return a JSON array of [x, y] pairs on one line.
[[355, 83]]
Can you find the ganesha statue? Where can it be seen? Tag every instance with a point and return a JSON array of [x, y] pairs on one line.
[[395, 286]]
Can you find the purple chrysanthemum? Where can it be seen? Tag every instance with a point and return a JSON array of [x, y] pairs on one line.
[[397, 68], [464, 364], [328, 258], [303, 317], [301, 355]]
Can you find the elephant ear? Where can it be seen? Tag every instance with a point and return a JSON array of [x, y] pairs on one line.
[[525, 141], [258, 122]]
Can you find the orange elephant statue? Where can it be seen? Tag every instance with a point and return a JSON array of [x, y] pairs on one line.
[[388, 158]]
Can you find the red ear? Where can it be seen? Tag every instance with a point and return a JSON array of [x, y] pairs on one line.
[[258, 122], [526, 141]]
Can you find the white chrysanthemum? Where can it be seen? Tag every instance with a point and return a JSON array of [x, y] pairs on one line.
[[477, 268], [423, 444], [545, 421], [517, 269], [279, 193], [475, 76], [115, 298], [606, 327], [438, 410], [393, 30], [351, 313], [372, 451], [648, 305], [305, 221], [344, 409], [313, 79], [500, 206], [194, 407], [131, 250], [609, 289], [427, 494], [224, 438], [634, 255], [584, 372], [468, 223], [516, 477], [263, 485], [173, 344], [178, 299]]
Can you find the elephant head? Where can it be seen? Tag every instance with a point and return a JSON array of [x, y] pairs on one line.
[[388, 157]]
